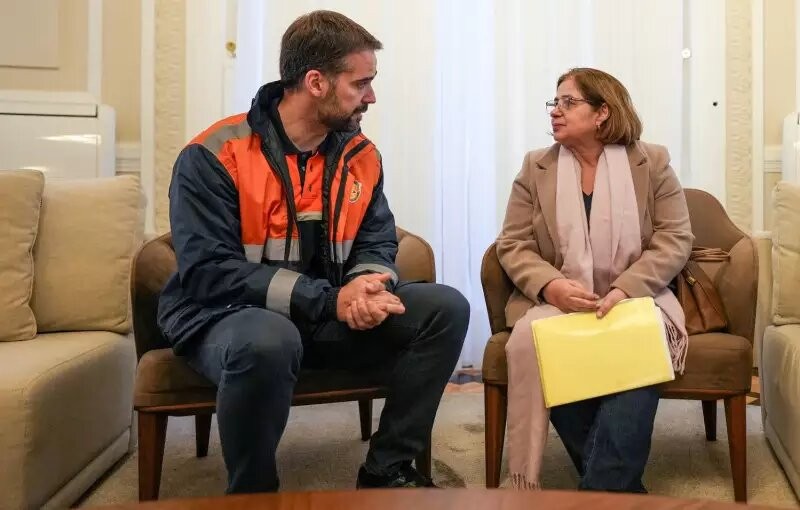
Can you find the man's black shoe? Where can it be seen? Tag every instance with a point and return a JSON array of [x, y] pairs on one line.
[[405, 477]]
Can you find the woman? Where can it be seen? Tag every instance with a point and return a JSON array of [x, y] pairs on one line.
[[596, 218]]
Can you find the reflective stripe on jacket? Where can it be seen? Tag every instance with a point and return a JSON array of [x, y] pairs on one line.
[[235, 201]]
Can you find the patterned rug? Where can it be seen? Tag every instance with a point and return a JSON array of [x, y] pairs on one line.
[[321, 450]]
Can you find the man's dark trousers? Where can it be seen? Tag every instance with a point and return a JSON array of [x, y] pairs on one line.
[[254, 356]]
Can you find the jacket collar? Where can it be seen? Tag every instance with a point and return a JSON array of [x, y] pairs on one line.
[[265, 121]]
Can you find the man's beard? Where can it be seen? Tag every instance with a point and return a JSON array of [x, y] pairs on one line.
[[334, 120]]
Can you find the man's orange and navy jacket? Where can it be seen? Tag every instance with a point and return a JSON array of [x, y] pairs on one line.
[[256, 224]]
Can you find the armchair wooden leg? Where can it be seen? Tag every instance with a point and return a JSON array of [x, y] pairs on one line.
[[737, 444], [152, 434], [496, 406], [423, 460], [365, 414], [710, 419], [202, 432]]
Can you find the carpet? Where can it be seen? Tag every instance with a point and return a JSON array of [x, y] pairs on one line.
[[322, 450]]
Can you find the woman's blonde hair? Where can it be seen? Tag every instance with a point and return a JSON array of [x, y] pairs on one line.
[[598, 87]]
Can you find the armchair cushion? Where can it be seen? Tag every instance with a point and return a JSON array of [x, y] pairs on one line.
[[64, 399], [88, 233], [414, 258], [716, 361], [164, 379], [20, 201], [786, 255], [495, 368], [736, 280]]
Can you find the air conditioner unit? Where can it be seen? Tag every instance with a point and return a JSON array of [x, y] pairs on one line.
[[64, 134], [790, 156]]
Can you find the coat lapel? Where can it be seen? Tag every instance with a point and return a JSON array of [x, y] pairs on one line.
[[546, 174], [641, 177]]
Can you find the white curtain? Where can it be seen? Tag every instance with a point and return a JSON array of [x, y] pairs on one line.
[[461, 88], [638, 41]]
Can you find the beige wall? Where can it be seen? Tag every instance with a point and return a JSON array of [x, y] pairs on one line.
[[120, 86], [779, 66], [71, 74], [122, 37], [779, 82], [770, 180]]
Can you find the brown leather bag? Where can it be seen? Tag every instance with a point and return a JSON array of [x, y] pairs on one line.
[[697, 295]]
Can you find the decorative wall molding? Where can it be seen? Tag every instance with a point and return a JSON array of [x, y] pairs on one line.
[[147, 115], [169, 127], [739, 138], [757, 156], [772, 159], [129, 158]]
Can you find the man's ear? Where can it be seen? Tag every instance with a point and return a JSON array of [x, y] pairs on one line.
[[317, 83]]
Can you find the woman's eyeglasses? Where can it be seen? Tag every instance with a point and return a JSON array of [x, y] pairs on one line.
[[564, 103]]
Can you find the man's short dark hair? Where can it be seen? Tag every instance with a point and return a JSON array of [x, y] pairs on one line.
[[321, 40]]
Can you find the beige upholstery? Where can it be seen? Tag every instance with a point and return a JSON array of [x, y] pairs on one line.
[[60, 409], [20, 199], [89, 231], [164, 379], [786, 255], [779, 332], [167, 386], [717, 361], [66, 400], [718, 365], [764, 303]]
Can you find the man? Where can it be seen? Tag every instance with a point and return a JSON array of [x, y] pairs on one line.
[[286, 248]]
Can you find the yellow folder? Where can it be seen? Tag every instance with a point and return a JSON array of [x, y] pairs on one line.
[[581, 356]]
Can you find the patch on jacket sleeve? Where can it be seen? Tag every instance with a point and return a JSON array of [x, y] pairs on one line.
[[355, 192]]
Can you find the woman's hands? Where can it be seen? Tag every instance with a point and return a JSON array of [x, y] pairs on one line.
[[570, 296], [607, 303]]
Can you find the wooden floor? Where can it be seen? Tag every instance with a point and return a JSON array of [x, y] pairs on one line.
[[754, 397]]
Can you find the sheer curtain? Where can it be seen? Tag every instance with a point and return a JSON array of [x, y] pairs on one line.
[[638, 41], [461, 88]]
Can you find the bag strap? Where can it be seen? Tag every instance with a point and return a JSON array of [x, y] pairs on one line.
[[701, 254]]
